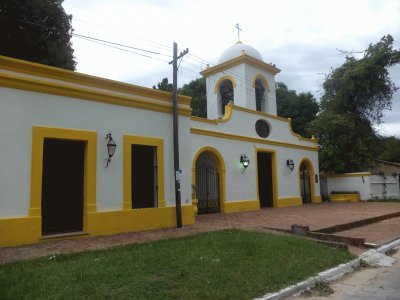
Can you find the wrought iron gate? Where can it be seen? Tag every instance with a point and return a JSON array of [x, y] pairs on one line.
[[207, 188]]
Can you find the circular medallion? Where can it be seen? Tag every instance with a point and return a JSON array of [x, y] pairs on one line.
[[262, 128]]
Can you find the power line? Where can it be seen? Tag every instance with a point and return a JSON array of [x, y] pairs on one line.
[[103, 42], [113, 43], [111, 46], [118, 46]]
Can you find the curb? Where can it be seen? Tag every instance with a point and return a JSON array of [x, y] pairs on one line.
[[328, 275]]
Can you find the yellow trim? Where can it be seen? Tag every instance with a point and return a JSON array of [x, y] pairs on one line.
[[310, 168], [313, 139], [259, 113], [38, 136], [221, 171], [28, 84], [248, 139], [244, 205], [227, 116], [289, 201], [274, 174], [244, 58], [17, 231], [204, 120], [40, 70], [316, 199], [27, 230], [351, 174], [263, 80], [112, 222], [226, 77], [344, 197], [128, 141], [288, 120]]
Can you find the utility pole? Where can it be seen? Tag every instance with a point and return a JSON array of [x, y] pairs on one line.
[[178, 172]]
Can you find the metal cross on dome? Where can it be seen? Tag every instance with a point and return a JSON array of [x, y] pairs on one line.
[[237, 26]]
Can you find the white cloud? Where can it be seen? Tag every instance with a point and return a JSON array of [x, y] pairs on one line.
[[301, 36]]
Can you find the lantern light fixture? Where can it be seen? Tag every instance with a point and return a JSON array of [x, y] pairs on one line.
[[290, 164], [245, 161], [111, 145]]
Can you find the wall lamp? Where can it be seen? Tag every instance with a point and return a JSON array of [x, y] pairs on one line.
[[111, 145], [245, 161], [290, 164]]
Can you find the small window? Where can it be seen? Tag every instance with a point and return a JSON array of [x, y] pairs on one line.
[[262, 128]]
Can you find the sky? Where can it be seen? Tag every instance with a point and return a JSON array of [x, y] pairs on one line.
[[302, 37]]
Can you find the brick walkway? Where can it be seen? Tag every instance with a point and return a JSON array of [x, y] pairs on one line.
[[316, 216]]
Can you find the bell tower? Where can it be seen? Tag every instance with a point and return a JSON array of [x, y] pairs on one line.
[[243, 77]]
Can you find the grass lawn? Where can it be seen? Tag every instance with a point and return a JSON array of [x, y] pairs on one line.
[[228, 264]]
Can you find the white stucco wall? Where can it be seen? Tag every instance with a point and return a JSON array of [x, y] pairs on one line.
[[361, 184], [385, 186], [242, 186], [20, 110], [369, 186]]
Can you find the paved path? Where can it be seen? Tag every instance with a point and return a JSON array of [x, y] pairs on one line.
[[378, 233], [372, 283], [317, 216]]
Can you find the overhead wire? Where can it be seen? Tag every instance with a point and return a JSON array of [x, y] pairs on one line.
[[120, 46]]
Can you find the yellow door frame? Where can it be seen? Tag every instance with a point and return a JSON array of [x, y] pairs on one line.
[[274, 174], [221, 170], [39, 134]]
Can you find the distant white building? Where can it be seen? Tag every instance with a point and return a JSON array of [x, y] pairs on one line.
[[55, 126]]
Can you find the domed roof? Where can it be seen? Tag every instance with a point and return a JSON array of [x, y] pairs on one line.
[[237, 50]]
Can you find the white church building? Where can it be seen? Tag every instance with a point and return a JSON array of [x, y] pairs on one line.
[[57, 127]]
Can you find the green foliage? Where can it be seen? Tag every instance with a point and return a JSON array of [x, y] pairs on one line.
[[164, 85], [229, 264], [195, 89], [49, 43], [362, 87], [389, 149], [345, 144], [301, 108], [355, 95]]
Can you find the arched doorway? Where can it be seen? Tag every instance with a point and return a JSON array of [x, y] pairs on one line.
[[209, 181], [305, 184]]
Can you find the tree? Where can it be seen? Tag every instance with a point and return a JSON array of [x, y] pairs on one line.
[[301, 108], [38, 31], [355, 95], [164, 85], [195, 89], [389, 149], [362, 87], [346, 145]]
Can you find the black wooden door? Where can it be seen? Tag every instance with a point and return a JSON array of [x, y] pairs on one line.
[[62, 186], [144, 176], [207, 188], [305, 184], [265, 187]]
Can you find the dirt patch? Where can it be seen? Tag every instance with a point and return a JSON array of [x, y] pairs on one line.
[[321, 289]]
